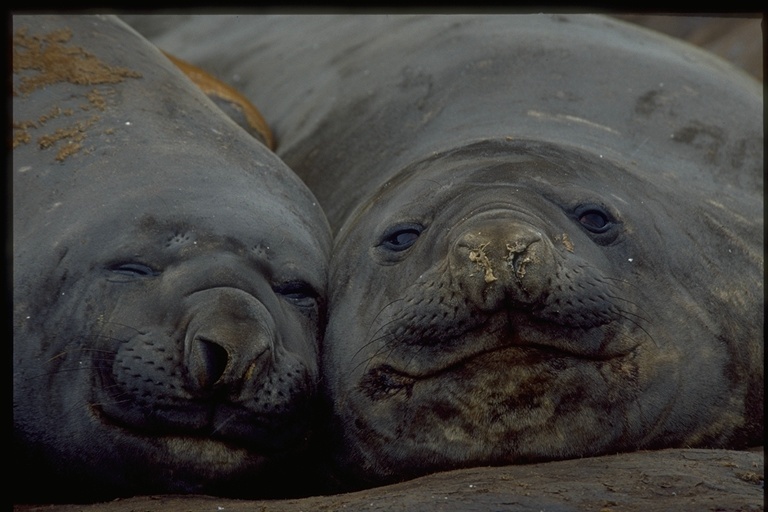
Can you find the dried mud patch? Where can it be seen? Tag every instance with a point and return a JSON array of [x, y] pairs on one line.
[[41, 61]]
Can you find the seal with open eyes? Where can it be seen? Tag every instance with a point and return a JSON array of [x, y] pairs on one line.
[[549, 231], [168, 279]]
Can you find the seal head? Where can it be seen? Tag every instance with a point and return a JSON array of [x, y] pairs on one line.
[[507, 308]]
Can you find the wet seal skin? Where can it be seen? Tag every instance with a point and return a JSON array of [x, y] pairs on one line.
[[549, 231], [168, 279]]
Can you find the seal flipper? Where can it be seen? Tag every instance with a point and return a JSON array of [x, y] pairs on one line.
[[228, 99]]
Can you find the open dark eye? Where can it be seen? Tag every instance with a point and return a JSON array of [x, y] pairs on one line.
[[401, 237], [594, 219], [134, 270], [297, 293]]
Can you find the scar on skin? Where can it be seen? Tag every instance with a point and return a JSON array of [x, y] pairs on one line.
[[572, 119], [478, 256]]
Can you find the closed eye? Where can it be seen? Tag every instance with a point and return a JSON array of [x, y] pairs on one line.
[[298, 293], [133, 269]]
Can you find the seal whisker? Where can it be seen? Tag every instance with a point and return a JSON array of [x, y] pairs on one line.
[[136, 330], [375, 339], [29, 378], [381, 348], [115, 401], [373, 356], [636, 315], [638, 319], [218, 427], [80, 351], [386, 306], [625, 315]]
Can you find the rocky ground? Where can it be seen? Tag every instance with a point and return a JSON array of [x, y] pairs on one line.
[[681, 480]]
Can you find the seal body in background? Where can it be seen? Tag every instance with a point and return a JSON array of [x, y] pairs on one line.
[[548, 230], [168, 279]]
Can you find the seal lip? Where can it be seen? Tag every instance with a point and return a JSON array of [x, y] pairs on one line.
[[395, 372], [385, 380], [547, 351], [178, 442], [215, 458], [421, 355]]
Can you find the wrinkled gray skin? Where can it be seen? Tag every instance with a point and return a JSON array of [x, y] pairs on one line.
[[549, 230], [168, 284]]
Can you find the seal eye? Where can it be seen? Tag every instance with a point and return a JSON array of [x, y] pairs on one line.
[[134, 270], [298, 293], [594, 219], [401, 237]]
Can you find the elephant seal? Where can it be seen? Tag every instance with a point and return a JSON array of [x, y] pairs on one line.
[[168, 279], [549, 231]]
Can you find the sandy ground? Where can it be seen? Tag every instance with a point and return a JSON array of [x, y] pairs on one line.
[[681, 480]]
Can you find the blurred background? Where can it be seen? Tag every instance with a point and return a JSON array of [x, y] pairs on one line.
[[737, 38]]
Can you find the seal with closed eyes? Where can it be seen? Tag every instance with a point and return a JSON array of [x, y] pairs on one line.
[[168, 279]]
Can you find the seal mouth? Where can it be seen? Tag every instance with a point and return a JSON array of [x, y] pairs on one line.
[[257, 436], [222, 423], [385, 380], [193, 457], [433, 358]]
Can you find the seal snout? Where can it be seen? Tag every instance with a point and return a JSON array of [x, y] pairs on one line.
[[211, 360], [498, 259], [230, 340]]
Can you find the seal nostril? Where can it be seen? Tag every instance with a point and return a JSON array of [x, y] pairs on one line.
[[213, 362]]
